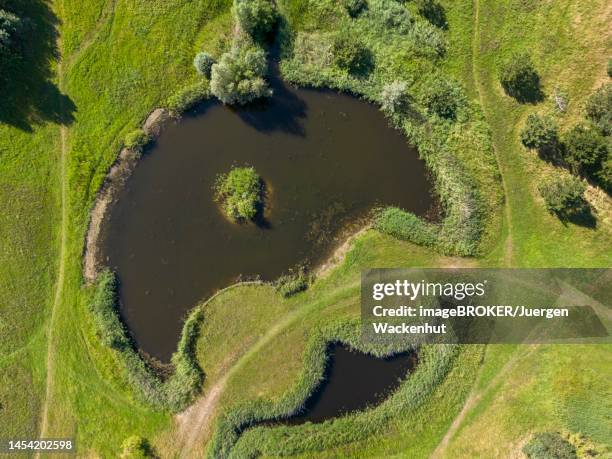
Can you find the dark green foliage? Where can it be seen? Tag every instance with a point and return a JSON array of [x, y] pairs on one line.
[[136, 140], [355, 7], [564, 196], [604, 175], [136, 447], [520, 79], [188, 97], [203, 63], [443, 97], [585, 150], [238, 77], [599, 109], [433, 12], [351, 54], [405, 225], [292, 283], [256, 17], [397, 17], [549, 445], [540, 133], [240, 193]]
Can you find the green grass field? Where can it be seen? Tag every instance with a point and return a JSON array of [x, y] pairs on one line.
[[122, 58]]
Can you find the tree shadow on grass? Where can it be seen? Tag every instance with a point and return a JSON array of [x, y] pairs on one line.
[[30, 96]]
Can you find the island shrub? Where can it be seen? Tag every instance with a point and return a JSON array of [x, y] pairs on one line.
[[549, 445], [188, 97], [240, 193], [355, 8], [599, 109], [203, 63], [541, 133], [136, 140], [433, 12], [442, 97], [256, 17], [136, 447], [351, 54], [239, 76], [294, 282], [406, 226], [564, 196], [520, 79], [585, 150]]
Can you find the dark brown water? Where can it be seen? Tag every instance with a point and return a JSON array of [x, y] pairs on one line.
[[326, 159], [354, 381]]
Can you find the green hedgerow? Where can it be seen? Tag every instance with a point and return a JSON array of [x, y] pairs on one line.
[[354, 8], [351, 54], [520, 79], [256, 17], [549, 445], [564, 196], [203, 63], [240, 193], [585, 150], [540, 133], [599, 109], [238, 77]]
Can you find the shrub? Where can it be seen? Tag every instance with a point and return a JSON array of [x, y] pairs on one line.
[[395, 99], [292, 283], [355, 7], [426, 37], [9, 28], [405, 225], [549, 445], [188, 97], [604, 175], [203, 64], [564, 196], [135, 140], [240, 193], [520, 79], [610, 68], [599, 109], [442, 97], [540, 133], [433, 12], [238, 77], [351, 54], [136, 447], [397, 17], [585, 150], [256, 17]]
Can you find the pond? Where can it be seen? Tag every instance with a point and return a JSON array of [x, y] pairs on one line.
[[326, 159], [353, 381]]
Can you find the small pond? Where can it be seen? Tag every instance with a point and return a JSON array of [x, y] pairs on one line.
[[326, 159], [354, 381]]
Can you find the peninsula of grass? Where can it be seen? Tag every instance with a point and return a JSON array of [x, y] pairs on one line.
[[240, 193]]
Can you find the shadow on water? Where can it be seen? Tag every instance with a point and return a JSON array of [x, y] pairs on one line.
[[29, 95], [353, 381]]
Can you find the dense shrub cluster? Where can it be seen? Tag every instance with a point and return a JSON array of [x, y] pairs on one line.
[[397, 17], [520, 79], [443, 97], [292, 283], [599, 109], [177, 391], [256, 17], [240, 193], [239, 76], [351, 54], [585, 150], [203, 63], [541, 133], [188, 97], [564, 196], [549, 445]]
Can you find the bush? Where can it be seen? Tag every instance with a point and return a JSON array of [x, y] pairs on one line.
[[203, 64], [549, 445], [540, 133], [599, 109], [405, 225], [564, 196], [351, 54], [394, 98], [442, 97], [520, 79], [433, 12], [426, 37], [585, 150], [397, 17], [604, 175], [292, 283], [136, 140], [355, 7], [240, 193], [10, 26], [238, 77], [256, 17], [188, 97], [136, 447]]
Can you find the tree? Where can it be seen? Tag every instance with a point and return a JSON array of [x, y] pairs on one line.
[[520, 79], [442, 97], [10, 26], [395, 99], [585, 149], [203, 63], [564, 196], [351, 54], [604, 175], [549, 445], [256, 17], [433, 12], [238, 77], [540, 133], [355, 7], [599, 109]]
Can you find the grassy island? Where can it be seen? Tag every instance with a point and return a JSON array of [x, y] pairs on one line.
[[240, 193]]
